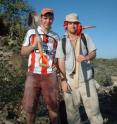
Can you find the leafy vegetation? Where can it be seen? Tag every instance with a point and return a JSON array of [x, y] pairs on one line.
[[104, 69], [13, 25]]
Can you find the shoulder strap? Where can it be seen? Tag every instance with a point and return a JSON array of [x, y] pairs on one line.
[[84, 41], [64, 45]]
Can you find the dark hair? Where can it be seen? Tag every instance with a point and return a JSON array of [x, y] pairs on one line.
[[48, 14]]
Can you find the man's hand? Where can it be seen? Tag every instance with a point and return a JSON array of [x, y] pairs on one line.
[[65, 86], [81, 58], [36, 40]]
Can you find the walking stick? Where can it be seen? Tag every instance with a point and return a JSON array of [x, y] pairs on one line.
[[77, 53], [42, 56]]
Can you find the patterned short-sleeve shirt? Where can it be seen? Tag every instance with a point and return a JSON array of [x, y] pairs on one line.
[[49, 49]]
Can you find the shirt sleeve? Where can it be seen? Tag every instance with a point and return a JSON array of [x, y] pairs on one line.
[[90, 44], [26, 41], [59, 50]]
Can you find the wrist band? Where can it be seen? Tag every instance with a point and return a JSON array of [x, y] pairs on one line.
[[63, 79]]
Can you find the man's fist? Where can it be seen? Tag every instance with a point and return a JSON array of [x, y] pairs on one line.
[[36, 40]]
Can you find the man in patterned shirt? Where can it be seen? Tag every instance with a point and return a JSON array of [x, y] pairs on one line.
[[41, 75]]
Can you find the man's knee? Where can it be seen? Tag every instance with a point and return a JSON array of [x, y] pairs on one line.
[[53, 116]]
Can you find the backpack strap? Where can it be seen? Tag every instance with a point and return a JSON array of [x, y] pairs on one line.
[[84, 41], [64, 45]]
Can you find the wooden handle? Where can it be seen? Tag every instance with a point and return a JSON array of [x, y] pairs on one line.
[[43, 64], [77, 52], [42, 56]]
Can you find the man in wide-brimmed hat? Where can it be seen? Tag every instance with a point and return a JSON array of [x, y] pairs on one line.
[[74, 53]]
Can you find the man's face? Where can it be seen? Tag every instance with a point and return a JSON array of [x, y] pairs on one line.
[[72, 27], [46, 21]]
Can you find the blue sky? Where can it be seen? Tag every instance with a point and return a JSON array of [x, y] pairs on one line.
[[99, 13]]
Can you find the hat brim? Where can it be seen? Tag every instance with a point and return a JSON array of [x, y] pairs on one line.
[[72, 20], [46, 13]]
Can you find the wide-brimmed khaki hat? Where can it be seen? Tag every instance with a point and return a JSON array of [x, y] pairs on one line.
[[72, 17], [46, 10]]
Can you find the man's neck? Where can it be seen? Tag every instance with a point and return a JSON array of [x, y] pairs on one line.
[[72, 36], [45, 30]]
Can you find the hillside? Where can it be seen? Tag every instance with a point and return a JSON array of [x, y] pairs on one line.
[[13, 25], [13, 68], [104, 70]]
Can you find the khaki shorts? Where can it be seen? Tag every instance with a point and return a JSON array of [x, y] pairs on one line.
[[35, 84]]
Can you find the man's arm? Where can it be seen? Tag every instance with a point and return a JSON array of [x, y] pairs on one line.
[[64, 84], [88, 57], [91, 55], [61, 63], [26, 50]]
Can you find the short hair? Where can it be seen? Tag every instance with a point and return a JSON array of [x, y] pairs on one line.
[[48, 14]]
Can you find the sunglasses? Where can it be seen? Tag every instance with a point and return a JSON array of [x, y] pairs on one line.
[[76, 23]]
